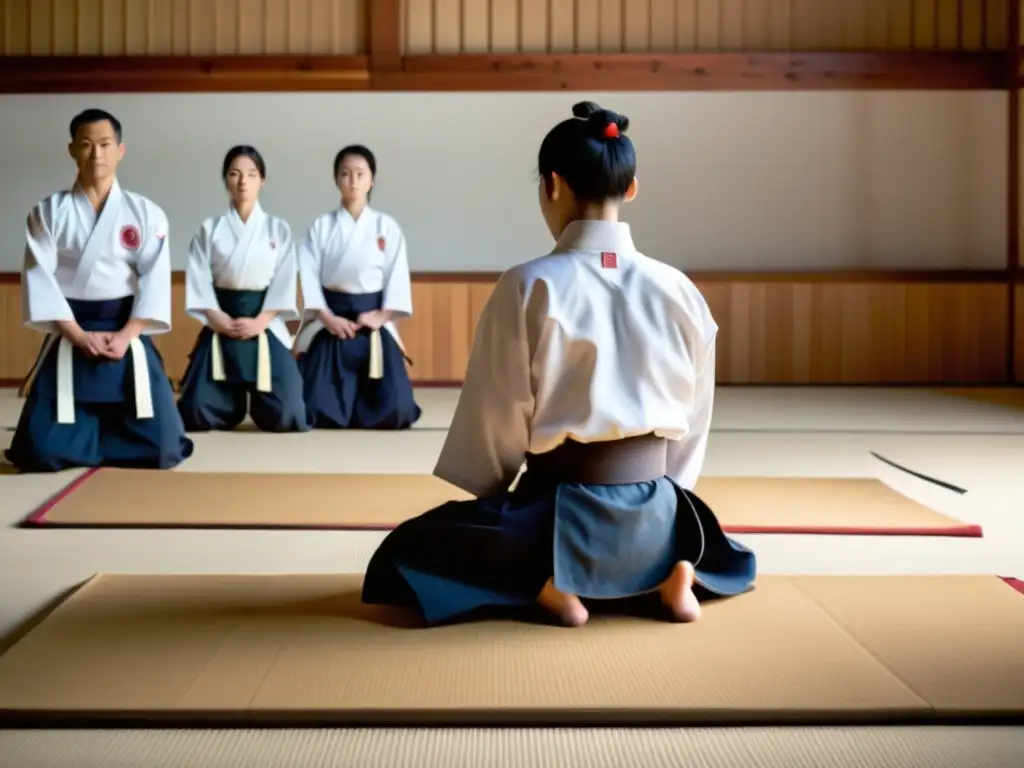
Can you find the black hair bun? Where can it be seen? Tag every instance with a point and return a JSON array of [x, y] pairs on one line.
[[585, 109], [598, 118]]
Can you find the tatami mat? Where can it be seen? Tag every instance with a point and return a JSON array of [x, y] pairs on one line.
[[113, 497], [748, 747], [303, 650], [828, 432]]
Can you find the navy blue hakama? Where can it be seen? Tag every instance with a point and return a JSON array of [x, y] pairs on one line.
[[339, 392], [598, 541], [106, 431], [206, 404]]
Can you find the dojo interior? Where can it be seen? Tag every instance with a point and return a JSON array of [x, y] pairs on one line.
[[840, 179]]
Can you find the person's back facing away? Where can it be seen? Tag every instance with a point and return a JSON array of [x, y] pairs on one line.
[[594, 365]]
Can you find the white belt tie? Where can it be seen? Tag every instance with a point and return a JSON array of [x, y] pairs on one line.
[[66, 380], [376, 355], [263, 377]]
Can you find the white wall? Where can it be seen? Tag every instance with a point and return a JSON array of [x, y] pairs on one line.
[[728, 181]]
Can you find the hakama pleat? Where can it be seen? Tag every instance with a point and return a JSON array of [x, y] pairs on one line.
[[338, 390], [603, 542], [207, 404], [106, 431]]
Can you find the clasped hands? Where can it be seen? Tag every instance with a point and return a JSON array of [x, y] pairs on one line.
[[113, 346], [240, 328], [344, 328]]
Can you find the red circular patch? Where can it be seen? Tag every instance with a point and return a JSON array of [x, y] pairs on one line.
[[130, 237], [382, 243]]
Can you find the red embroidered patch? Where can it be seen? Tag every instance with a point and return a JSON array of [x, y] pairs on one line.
[[609, 260], [382, 243], [130, 237]]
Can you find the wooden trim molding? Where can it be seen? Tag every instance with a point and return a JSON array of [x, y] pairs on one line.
[[960, 70], [1018, 336], [1015, 315], [831, 277], [823, 276], [385, 69], [898, 277], [925, 329], [182, 74]]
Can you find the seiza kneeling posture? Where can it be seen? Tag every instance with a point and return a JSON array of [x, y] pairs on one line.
[[354, 273], [596, 365], [241, 283], [97, 281]]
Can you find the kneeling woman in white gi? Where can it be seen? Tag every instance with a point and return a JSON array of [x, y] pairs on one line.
[[241, 284], [355, 280], [595, 364]]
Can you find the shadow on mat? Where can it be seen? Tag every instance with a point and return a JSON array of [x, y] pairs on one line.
[[178, 608], [644, 607], [21, 629], [173, 608]]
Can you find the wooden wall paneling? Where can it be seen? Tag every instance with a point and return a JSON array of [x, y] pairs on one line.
[[175, 346], [385, 34], [467, 45], [183, 27], [645, 26], [323, 27], [1013, 175], [699, 72], [923, 329], [494, 45], [66, 46], [1013, 196], [1019, 336], [19, 346], [859, 332]]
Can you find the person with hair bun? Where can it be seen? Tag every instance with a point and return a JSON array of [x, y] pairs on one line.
[[241, 284], [354, 272], [594, 364]]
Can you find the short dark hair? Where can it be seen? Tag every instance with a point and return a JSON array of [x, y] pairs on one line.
[[591, 152], [92, 115], [243, 150], [360, 151]]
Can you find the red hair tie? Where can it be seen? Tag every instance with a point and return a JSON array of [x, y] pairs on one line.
[[611, 131]]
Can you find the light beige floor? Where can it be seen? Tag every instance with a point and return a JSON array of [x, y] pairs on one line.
[[1009, 397], [762, 431]]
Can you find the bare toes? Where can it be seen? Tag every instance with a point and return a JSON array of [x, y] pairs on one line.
[[677, 593]]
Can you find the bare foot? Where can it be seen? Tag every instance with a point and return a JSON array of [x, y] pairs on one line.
[[567, 608], [677, 593]]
